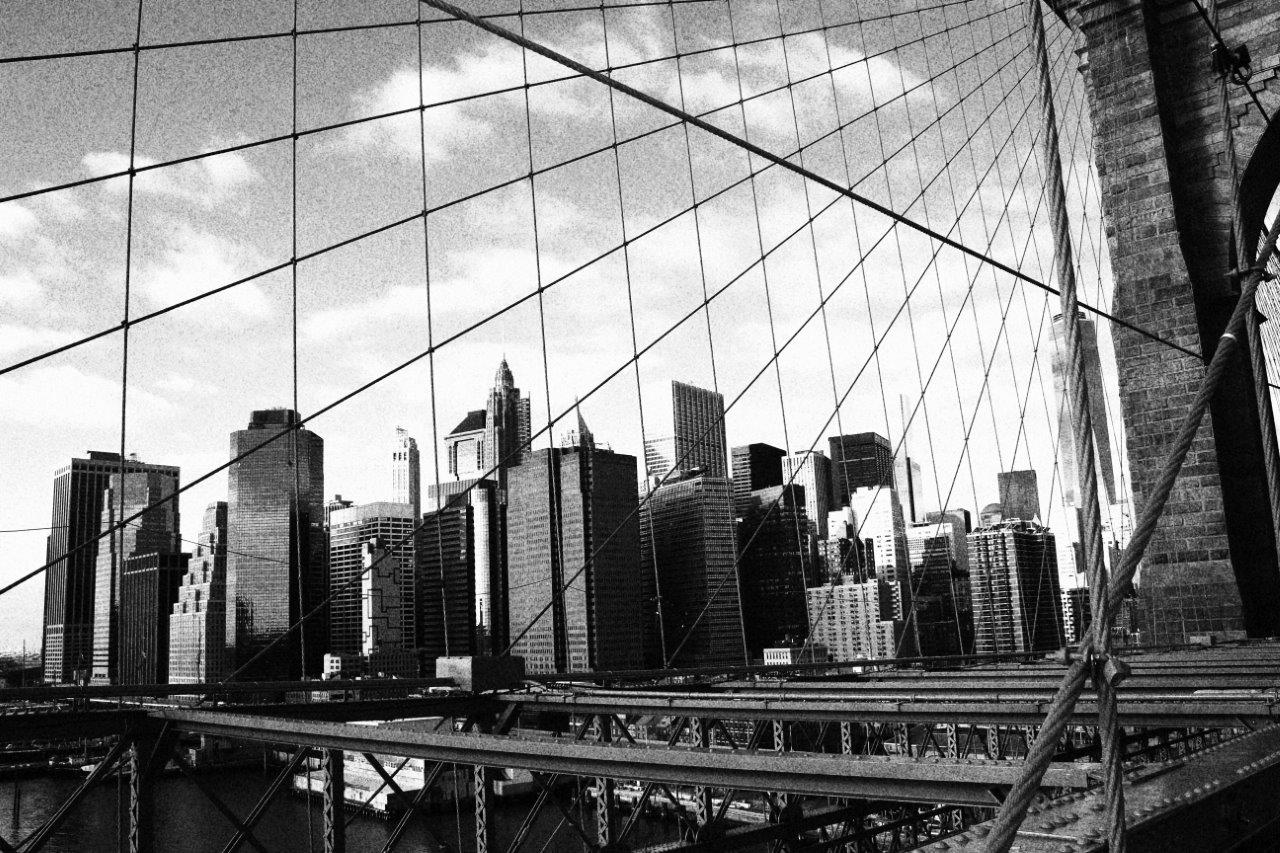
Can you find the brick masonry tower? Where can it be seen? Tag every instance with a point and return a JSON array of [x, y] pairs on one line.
[[1165, 174]]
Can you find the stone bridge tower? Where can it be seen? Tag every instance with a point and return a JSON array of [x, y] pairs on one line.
[[1167, 177]]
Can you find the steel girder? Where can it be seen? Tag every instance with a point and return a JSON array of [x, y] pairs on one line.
[[964, 782]]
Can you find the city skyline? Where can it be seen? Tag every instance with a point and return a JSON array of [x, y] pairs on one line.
[[401, 436]]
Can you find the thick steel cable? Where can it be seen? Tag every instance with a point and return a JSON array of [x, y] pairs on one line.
[[1082, 421], [1023, 790]]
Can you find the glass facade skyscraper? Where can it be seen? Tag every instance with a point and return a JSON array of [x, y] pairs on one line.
[[571, 511], [697, 440], [72, 552], [860, 461], [155, 532], [276, 561], [149, 585]]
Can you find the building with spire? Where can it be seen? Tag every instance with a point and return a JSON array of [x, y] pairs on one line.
[[492, 439]]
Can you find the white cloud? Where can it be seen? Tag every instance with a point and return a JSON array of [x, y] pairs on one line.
[[18, 288], [16, 220], [38, 397], [16, 338], [206, 181], [195, 261]]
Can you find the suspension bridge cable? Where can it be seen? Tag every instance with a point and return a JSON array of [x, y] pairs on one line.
[[972, 283], [706, 432], [389, 226], [403, 365]]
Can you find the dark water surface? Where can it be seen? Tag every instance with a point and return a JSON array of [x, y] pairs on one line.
[[187, 821]]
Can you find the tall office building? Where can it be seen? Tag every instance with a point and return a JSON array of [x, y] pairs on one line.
[[149, 586], [349, 530], [1013, 577], [906, 479], [486, 555], [687, 534], [811, 470], [444, 582], [1068, 465], [860, 461], [1077, 613], [336, 502], [381, 621], [489, 441], [198, 621], [72, 554], [774, 568], [155, 531], [573, 541], [406, 472], [879, 517], [1020, 495], [276, 561], [854, 619], [755, 466], [697, 440], [942, 610]]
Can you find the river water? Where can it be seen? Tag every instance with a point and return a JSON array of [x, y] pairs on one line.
[[187, 822]]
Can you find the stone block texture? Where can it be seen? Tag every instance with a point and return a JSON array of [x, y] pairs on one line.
[[1166, 184]]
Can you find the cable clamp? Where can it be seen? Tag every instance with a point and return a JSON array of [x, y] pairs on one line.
[[1112, 669], [1233, 62]]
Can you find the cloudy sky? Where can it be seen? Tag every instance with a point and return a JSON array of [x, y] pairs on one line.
[[944, 94]]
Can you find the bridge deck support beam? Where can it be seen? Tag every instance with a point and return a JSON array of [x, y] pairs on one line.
[[335, 828], [483, 789]]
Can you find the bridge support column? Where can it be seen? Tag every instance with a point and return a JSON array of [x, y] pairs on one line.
[[778, 800], [605, 791], [483, 787], [335, 793], [700, 728], [146, 757]]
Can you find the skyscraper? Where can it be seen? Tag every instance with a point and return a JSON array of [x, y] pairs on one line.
[[1068, 465], [489, 441], [697, 441], [350, 530], [906, 479], [381, 619], [687, 532], [72, 553], [148, 588], [859, 461], [1077, 613], [1019, 495], [774, 568], [486, 555], [942, 610], [156, 531], [1013, 576], [445, 581], [573, 542], [879, 517], [755, 466], [811, 470], [198, 621], [406, 472], [276, 562], [854, 619]]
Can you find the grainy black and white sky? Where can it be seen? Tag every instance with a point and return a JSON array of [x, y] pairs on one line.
[[195, 373]]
